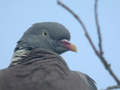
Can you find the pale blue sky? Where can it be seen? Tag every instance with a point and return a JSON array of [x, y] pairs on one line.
[[18, 15]]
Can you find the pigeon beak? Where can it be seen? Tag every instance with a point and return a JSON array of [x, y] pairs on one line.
[[69, 45]]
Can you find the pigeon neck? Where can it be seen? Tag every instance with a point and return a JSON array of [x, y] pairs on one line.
[[25, 56], [18, 56]]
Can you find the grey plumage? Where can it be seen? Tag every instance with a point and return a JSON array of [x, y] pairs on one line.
[[44, 35], [36, 64]]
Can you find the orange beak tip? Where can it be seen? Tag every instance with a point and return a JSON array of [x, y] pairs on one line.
[[73, 48]]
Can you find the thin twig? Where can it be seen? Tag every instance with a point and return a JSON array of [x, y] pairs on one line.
[[81, 23], [107, 66], [98, 27], [113, 87], [100, 56]]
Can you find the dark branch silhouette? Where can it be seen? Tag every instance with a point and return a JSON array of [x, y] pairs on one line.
[[113, 87], [98, 27], [99, 52]]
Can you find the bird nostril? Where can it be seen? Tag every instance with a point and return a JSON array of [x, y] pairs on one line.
[[65, 41]]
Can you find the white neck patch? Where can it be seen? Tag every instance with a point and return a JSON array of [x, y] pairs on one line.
[[18, 55]]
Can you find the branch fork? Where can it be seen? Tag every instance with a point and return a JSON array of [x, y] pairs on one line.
[[99, 53]]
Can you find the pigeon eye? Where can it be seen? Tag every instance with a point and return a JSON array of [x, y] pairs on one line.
[[44, 33]]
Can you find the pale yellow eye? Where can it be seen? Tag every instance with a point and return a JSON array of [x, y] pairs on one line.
[[44, 33]]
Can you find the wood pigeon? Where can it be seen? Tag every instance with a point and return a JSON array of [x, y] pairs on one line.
[[37, 65]]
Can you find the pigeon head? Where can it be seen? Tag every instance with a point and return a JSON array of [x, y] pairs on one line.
[[47, 35]]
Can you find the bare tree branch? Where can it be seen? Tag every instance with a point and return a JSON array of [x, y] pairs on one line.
[[98, 27], [113, 87], [81, 23], [97, 52]]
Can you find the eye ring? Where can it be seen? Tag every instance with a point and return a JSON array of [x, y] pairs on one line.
[[44, 33]]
